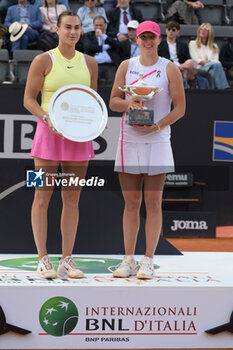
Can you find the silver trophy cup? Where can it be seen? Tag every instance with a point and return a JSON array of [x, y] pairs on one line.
[[144, 92]]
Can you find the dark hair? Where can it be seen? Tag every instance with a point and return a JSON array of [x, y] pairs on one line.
[[173, 24], [64, 14], [99, 17], [45, 4]]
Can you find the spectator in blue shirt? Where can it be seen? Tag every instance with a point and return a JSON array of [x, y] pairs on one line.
[[27, 15], [88, 12]]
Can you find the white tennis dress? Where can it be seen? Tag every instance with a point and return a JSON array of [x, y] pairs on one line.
[[140, 151]]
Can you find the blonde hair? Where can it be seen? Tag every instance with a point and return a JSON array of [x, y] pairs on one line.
[[210, 41], [46, 5]]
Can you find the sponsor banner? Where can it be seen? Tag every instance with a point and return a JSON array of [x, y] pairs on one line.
[[223, 141], [123, 318], [179, 180], [189, 224], [189, 303], [17, 133]]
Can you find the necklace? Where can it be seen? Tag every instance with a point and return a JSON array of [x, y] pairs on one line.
[[48, 14]]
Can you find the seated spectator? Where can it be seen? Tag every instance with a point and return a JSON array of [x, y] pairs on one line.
[[184, 12], [205, 54], [173, 48], [129, 47], [28, 21], [3, 34], [88, 12], [191, 78], [50, 11], [4, 4], [226, 58], [104, 48], [39, 3], [120, 16]]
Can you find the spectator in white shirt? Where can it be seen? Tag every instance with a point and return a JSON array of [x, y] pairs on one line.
[[205, 53], [172, 48]]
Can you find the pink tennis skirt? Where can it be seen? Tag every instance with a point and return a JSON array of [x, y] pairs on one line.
[[52, 147]]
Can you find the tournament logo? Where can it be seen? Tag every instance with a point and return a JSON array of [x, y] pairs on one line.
[[223, 141], [58, 316], [35, 178]]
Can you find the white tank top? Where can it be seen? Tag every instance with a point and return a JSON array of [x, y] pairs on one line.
[[160, 103]]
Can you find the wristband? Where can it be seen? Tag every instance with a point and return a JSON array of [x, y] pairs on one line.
[[157, 125], [44, 118]]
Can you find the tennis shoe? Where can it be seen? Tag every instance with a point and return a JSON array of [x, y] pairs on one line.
[[126, 268], [45, 268], [67, 268], [146, 270]]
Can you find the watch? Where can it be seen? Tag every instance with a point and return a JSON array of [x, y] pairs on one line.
[[44, 118]]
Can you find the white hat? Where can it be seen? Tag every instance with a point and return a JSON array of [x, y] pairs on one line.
[[16, 30], [133, 24]]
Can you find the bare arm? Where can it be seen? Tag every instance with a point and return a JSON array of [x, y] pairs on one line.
[[93, 69], [195, 5], [117, 102], [176, 89], [39, 68]]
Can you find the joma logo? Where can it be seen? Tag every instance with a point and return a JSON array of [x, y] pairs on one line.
[[189, 225]]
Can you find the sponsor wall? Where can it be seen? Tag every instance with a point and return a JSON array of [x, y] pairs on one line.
[[194, 141]]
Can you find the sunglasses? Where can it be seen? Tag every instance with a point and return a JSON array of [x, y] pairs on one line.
[[172, 29]]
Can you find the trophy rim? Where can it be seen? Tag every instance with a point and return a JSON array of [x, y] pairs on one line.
[[102, 109], [141, 87]]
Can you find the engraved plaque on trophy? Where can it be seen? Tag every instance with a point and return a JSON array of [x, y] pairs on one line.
[[78, 112]]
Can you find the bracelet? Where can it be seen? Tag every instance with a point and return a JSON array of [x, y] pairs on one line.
[[157, 125], [44, 118]]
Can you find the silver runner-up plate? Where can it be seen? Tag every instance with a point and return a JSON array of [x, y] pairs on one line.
[[78, 112]]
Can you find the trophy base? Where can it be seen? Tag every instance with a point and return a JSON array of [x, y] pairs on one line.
[[140, 117]]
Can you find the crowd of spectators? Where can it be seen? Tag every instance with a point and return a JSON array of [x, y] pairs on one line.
[[109, 34]]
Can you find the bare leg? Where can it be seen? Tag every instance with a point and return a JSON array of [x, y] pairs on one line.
[[153, 191], [40, 207], [131, 190], [70, 210]]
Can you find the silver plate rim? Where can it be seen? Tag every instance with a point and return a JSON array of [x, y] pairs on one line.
[[91, 92]]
